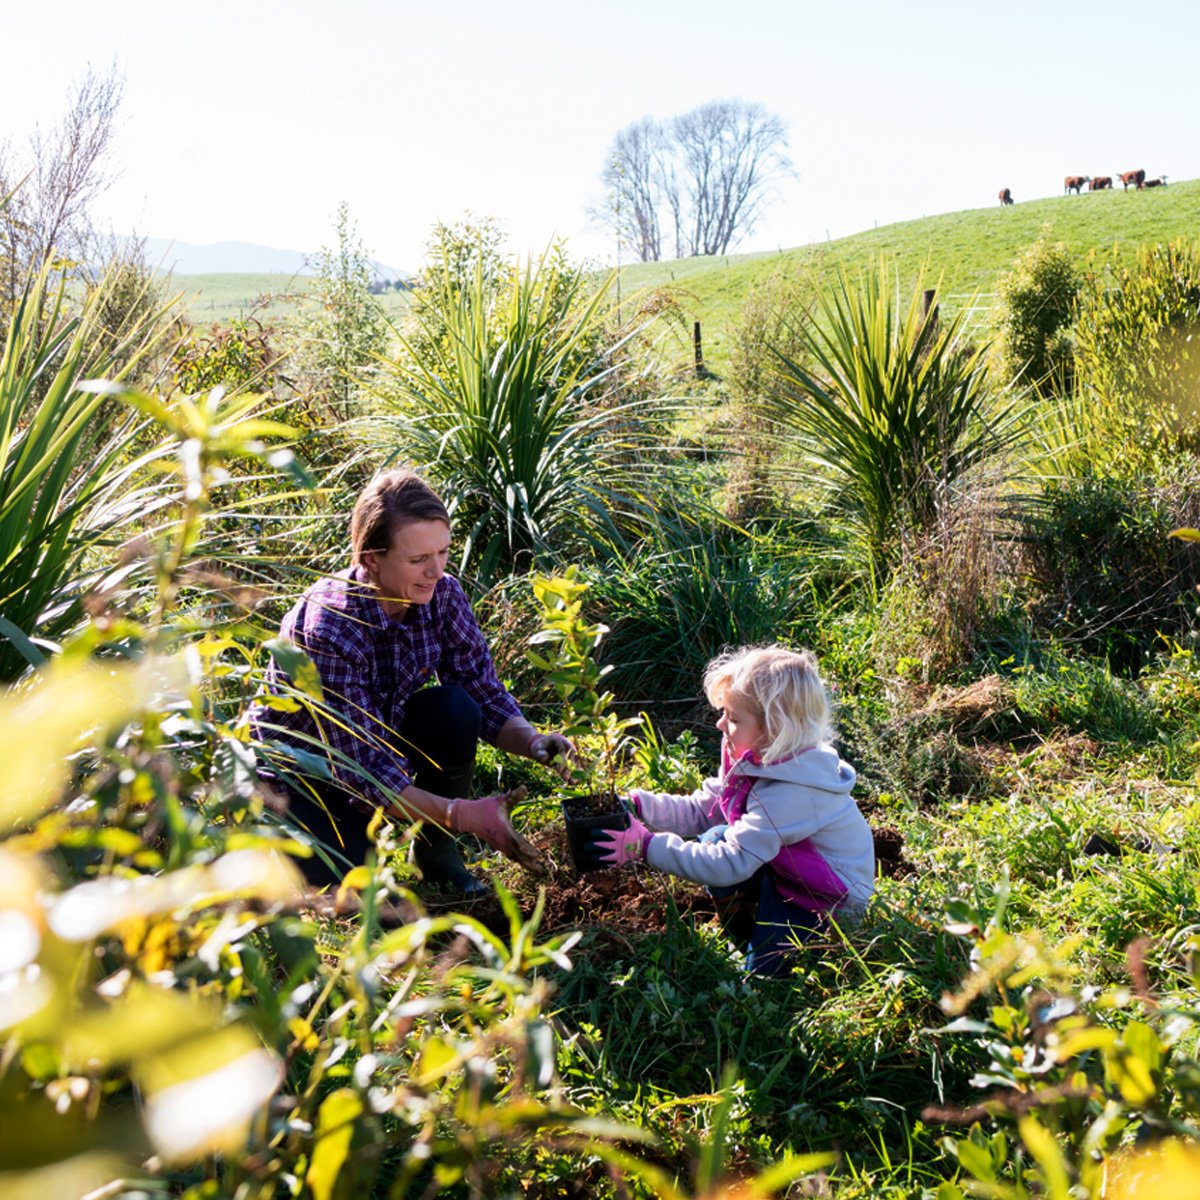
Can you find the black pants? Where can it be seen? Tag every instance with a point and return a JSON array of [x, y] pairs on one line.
[[440, 735]]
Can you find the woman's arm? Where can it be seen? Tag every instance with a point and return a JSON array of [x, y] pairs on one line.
[[484, 818]]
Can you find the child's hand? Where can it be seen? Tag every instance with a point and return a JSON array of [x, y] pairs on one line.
[[618, 846]]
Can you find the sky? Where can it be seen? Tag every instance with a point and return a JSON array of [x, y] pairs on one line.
[[252, 121]]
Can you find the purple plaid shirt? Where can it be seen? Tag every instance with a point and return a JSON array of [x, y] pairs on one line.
[[370, 666]]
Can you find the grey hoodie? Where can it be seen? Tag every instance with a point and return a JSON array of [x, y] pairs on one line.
[[801, 803]]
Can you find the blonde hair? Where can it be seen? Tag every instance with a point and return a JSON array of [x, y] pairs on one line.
[[782, 687]]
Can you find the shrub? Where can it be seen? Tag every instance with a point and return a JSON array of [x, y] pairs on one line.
[[238, 356], [342, 338], [1107, 574], [1036, 299], [766, 326], [1137, 353]]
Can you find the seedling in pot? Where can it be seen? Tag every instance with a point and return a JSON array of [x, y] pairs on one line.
[[566, 649]]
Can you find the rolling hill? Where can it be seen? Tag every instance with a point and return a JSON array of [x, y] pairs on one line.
[[967, 250]]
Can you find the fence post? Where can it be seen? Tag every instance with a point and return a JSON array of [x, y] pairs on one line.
[[927, 303], [699, 352]]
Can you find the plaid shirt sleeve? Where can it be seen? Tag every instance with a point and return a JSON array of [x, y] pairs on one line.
[[467, 662], [352, 725]]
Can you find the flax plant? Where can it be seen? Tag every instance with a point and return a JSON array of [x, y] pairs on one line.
[[895, 407], [508, 397], [70, 458]]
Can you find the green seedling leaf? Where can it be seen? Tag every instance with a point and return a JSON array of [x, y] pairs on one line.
[[1040, 1143], [977, 1161]]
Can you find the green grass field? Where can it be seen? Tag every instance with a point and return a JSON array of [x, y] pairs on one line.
[[218, 299], [966, 250]]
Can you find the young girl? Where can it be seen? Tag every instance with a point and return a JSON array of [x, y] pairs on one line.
[[776, 836]]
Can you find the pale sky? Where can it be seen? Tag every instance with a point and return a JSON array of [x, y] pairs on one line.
[[252, 120]]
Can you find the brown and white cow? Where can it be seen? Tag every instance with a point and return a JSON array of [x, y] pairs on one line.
[[1074, 183], [1161, 181], [1137, 178], [1005, 196], [1100, 182]]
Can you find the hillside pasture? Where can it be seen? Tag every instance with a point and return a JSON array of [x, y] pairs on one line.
[[967, 250], [221, 298]]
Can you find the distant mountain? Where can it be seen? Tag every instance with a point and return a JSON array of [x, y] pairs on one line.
[[240, 258]]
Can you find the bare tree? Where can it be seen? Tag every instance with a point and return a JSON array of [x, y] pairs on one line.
[[728, 153], [706, 175], [632, 177], [51, 189]]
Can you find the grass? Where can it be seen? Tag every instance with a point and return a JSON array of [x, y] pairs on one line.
[[220, 298], [969, 249]]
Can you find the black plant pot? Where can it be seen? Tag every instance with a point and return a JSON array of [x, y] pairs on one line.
[[582, 828]]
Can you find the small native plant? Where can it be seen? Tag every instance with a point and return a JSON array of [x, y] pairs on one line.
[[567, 646]]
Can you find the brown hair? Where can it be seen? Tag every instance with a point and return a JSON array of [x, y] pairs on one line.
[[388, 502]]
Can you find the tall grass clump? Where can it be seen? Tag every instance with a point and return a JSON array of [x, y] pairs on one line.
[[70, 459], [896, 410], [508, 401], [683, 594]]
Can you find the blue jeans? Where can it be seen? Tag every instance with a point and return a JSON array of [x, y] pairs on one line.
[[758, 919]]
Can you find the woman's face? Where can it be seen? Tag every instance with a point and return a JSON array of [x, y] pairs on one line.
[[408, 571], [742, 726]]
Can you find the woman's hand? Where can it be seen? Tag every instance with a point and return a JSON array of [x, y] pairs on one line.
[[488, 820], [555, 750]]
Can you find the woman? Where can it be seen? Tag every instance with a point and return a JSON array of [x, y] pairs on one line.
[[379, 634]]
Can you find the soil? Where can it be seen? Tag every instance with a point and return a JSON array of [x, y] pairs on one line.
[[889, 852], [623, 902], [597, 805]]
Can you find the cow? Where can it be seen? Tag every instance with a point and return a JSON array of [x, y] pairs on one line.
[[1161, 181], [1137, 178], [1074, 183], [1100, 182], [1005, 196]]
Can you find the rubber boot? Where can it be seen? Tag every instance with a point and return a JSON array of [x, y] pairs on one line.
[[435, 851], [437, 855]]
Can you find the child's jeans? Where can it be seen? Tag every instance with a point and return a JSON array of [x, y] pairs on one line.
[[758, 919]]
